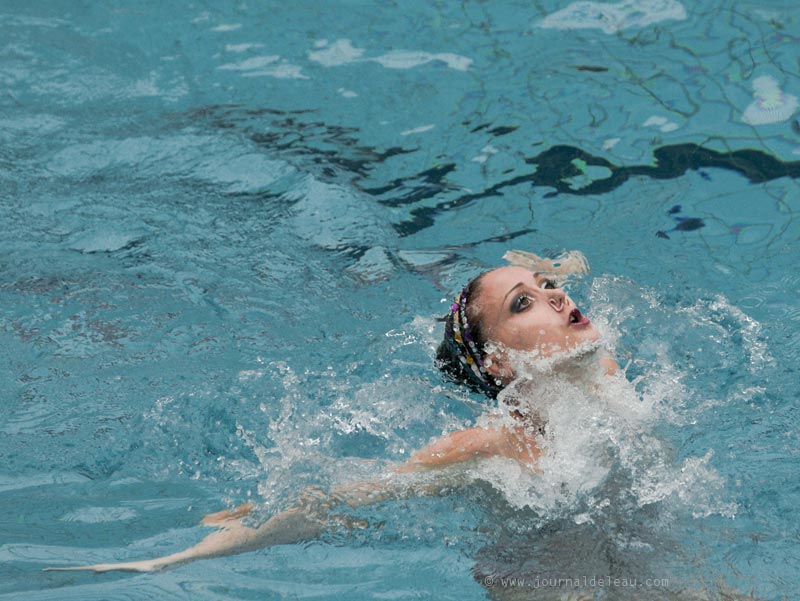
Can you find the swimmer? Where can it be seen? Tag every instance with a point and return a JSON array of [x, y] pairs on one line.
[[504, 314]]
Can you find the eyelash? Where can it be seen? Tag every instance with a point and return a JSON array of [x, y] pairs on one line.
[[517, 306], [548, 284]]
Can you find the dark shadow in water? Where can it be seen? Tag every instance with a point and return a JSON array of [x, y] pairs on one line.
[[556, 165], [626, 551], [289, 134], [425, 184], [337, 153]]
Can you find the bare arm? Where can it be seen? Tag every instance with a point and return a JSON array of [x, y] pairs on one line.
[[290, 526], [464, 445], [310, 516]]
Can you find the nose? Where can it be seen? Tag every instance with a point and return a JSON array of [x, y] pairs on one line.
[[557, 299]]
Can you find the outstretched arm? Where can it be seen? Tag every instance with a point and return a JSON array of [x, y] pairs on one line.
[[233, 537], [310, 516]]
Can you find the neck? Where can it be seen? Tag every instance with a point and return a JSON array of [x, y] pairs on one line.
[[540, 381]]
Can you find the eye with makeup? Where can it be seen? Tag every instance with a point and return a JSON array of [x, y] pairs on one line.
[[521, 302], [525, 300]]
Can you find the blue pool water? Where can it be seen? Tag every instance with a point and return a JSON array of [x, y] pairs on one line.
[[228, 230]]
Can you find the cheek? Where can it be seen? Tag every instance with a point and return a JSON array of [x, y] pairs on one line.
[[534, 331], [534, 336]]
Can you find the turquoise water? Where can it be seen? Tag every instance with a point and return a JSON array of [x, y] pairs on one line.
[[227, 232]]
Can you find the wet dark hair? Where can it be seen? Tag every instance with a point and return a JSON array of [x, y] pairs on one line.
[[461, 354]]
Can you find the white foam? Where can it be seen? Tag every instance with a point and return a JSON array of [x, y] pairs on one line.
[[486, 152], [771, 105], [655, 120], [589, 429], [407, 59], [662, 123], [342, 52], [384, 409], [533, 363], [600, 438], [282, 71], [612, 18], [599, 427], [247, 375]]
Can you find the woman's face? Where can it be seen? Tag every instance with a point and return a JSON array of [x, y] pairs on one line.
[[525, 311]]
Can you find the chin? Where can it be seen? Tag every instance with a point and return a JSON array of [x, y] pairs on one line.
[[588, 334]]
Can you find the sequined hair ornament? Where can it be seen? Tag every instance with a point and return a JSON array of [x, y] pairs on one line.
[[458, 337]]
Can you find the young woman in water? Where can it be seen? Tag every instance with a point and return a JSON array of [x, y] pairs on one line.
[[500, 320]]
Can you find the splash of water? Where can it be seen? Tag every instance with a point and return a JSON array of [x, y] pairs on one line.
[[599, 431], [603, 436]]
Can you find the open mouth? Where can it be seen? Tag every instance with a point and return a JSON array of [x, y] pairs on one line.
[[576, 318]]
